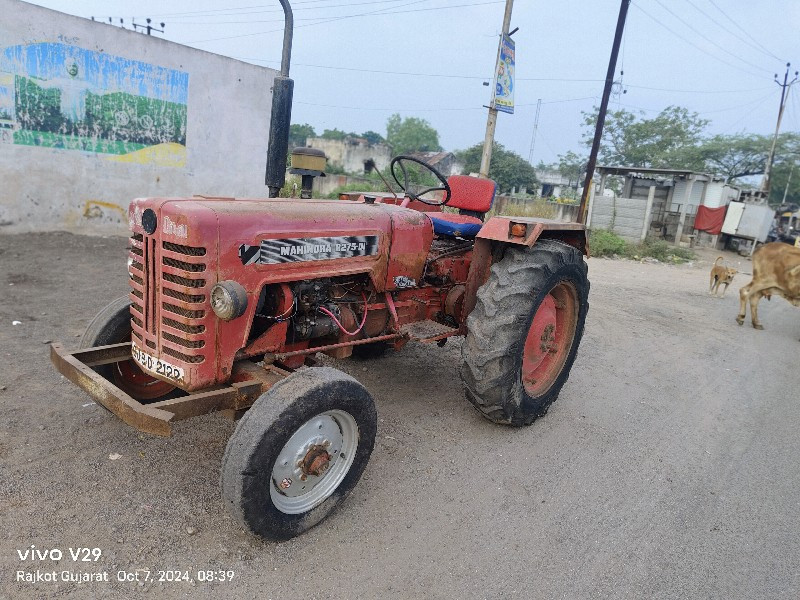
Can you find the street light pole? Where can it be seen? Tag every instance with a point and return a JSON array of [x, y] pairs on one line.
[[601, 116], [491, 121]]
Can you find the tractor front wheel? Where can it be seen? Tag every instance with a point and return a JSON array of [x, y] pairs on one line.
[[524, 332], [298, 452], [112, 325]]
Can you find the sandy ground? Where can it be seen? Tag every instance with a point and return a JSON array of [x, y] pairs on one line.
[[668, 468]]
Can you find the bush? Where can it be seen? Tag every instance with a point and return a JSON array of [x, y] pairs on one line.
[[365, 186], [532, 207], [660, 250], [605, 243]]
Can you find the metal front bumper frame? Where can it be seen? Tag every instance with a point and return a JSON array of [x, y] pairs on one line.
[[251, 380]]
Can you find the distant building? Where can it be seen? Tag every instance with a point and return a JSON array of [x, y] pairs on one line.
[[353, 154], [444, 162], [656, 202], [552, 183]]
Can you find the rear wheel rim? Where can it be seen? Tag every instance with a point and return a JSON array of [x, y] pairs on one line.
[[550, 338], [295, 491]]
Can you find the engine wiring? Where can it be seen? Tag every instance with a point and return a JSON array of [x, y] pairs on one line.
[[338, 323], [285, 316]]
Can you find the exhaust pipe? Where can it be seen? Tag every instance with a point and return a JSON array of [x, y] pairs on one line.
[[281, 117]]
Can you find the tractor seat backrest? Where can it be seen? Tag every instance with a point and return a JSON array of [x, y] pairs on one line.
[[473, 194]]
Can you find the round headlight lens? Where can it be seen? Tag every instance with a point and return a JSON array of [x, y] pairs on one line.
[[228, 300]]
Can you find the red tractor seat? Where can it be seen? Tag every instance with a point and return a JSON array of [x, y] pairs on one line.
[[473, 197]]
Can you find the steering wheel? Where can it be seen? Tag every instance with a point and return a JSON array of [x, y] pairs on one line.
[[406, 187]]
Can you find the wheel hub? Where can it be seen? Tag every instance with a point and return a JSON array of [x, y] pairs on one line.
[[316, 461], [541, 338], [549, 338]]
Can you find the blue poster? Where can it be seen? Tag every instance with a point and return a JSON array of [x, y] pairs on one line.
[[503, 99]]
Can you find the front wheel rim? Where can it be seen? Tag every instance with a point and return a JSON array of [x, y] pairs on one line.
[[549, 339], [314, 462]]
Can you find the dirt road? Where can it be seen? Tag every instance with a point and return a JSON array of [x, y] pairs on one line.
[[668, 468]]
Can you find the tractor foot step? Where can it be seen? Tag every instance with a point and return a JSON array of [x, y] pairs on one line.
[[427, 331]]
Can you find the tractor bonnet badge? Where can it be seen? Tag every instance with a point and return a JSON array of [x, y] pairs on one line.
[[306, 249]]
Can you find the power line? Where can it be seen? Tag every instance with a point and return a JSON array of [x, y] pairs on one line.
[[759, 103], [380, 12], [710, 41], [691, 43], [266, 7], [743, 30], [733, 33], [705, 112], [480, 78], [747, 104], [445, 109], [296, 10]]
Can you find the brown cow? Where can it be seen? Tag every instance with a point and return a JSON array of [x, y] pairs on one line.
[[776, 270]]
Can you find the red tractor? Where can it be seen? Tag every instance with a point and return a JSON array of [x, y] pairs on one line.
[[230, 298]]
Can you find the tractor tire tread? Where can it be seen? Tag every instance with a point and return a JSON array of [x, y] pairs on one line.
[[493, 342]]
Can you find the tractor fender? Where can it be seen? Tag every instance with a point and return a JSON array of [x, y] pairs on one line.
[[524, 231], [497, 234]]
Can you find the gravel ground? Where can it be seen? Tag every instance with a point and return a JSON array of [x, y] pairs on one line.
[[668, 468]]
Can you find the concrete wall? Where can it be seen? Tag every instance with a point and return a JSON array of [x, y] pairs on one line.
[[92, 116], [351, 153], [623, 216]]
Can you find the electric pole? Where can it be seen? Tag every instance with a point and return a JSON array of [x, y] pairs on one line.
[[148, 27], [786, 189], [535, 129], [601, 116], [765, 182], [491, 121]]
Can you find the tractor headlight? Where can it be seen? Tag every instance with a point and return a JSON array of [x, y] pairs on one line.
[[228, 300]]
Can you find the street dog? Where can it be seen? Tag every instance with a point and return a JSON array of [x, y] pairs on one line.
[[720, 275]]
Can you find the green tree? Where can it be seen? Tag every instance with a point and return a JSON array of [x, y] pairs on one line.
[[573, 167], [299, 133], [507, 168], [373, 137], [411, 135], [783, 174], [662, 142], [336, 134]]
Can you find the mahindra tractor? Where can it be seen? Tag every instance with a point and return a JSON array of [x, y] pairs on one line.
[[230, 300]]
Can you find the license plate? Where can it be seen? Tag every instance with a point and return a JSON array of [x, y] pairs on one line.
[[155, 365]]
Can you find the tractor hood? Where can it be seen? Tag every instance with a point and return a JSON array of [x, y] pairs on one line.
[[281, 240]]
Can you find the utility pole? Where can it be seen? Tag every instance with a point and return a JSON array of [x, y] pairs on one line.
[[765, 182], [786, 189], [148, 27], [535, 129], [491, 121], [601, 117]]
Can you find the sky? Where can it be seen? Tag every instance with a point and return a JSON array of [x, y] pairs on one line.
[[356, 62]]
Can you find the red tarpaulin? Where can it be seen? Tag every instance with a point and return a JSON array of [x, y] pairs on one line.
[[710, 219]]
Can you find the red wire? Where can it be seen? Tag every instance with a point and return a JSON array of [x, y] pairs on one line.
[[335, 320]]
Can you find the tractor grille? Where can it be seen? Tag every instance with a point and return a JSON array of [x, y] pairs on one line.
[[169, 299]]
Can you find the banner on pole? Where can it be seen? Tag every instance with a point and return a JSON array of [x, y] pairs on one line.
[[503, 96]]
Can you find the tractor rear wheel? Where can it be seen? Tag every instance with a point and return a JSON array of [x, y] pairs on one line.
[[112, 325], [298, 452], [524, 332]]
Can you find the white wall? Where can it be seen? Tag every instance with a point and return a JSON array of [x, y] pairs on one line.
[[92, 115], [351, 153], [623, 216]]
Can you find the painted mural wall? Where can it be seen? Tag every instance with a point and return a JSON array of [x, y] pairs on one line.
[[92, 116]]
